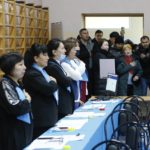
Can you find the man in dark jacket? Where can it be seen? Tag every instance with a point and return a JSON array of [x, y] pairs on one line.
[[143, 53], [97, 41], [85, 54]]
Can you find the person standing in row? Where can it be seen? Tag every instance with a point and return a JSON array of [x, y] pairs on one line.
[[56, 52], [42, 88], [85, 54], [75, 68], [130, 72], [143, 53], [99, 84], [15, 111]]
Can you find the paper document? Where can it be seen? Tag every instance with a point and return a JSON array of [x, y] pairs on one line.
[[75, 124], [106, 66], [86, 115], [93, 106], [53, 142], [39, 144], [111, 82], [77, 137]]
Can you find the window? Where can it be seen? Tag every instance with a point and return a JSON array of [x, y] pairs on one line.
[[106, 22]]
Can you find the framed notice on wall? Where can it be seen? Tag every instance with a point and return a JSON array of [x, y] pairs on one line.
[[56, 30]]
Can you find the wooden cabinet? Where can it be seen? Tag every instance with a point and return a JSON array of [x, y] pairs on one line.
[[21, 25], [9, 25], [38, 25], [2, 27], [29, 25], [45, 25]]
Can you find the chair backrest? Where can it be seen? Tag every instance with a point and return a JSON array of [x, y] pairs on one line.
[[112, 145], [132, 134], [144, 115], [140, 132], [113, 120], [136, 136], [125, 116]]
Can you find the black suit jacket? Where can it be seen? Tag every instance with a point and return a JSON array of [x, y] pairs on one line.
[[66, 100], [44, 106], [84, 55]]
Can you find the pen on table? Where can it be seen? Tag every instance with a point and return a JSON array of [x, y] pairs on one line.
[[52, 139], [63, 128], [60, 129]]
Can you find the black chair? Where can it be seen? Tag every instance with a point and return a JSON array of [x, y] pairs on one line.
[[112, 145], [113, 121], [124, 116], [130, 129], [144, 115], [129, 106], [136, 136], [142, 104]]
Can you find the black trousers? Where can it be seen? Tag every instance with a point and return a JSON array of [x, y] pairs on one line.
[[129, 90], [37, 131], [15, 135]]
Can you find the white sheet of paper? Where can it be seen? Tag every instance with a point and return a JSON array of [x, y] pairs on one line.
[[86, 114], [111, 82], [93, 106], [53, 144], [76, 124], [67, 137], [46, 143], [106, 66]]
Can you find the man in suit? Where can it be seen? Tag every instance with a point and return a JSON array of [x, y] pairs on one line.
[[85, 54]]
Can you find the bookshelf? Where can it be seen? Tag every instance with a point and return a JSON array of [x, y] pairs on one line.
[[2, 40], [38, 24], [29, 25], [20, 27], [22, 24], [9, 23], [45, 25]]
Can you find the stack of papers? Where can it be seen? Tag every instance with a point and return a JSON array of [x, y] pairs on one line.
[[53, 142], [46, 144], [71, 124], [105, 102], [93, 106], [86, 114]]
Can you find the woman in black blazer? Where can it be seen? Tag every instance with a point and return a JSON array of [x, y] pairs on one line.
[[56, 52], [42, 88], [15, 109]]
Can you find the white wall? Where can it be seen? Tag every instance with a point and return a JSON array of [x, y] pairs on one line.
[[133, 33], [69, 11]]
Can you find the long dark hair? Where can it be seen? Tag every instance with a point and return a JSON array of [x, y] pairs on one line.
[[53, 45], [35, 50]]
